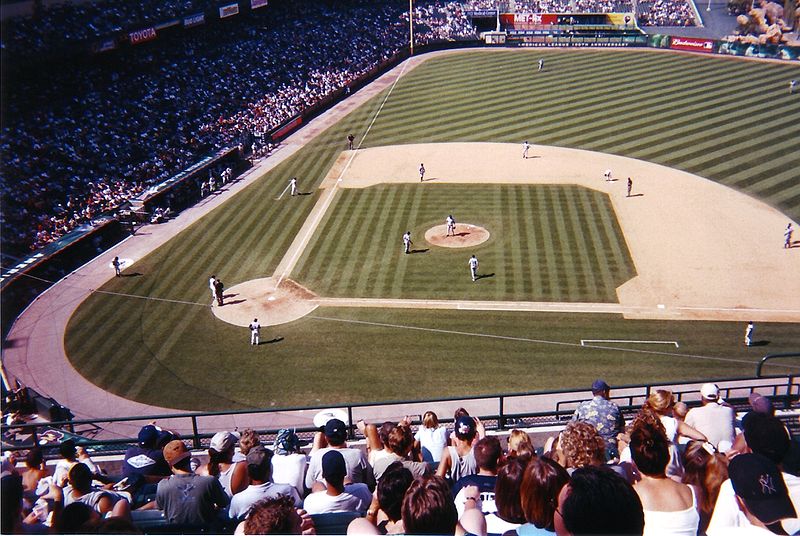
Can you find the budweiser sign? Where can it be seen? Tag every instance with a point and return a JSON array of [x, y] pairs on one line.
[[140, 36], [693, 44]]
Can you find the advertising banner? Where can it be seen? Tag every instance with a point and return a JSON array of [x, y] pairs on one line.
[[693, 44], [194, 20], [255, 4], [142, 36], [228, 10]]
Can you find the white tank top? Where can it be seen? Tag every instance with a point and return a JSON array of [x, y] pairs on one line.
[[679, 523]]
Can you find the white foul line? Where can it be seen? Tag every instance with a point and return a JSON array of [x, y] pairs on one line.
[[583, 341], [283, 192], [326, 201]]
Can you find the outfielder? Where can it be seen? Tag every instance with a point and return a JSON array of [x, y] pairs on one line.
[[407, 242], [451, 225], [255, 329], [525, 148], [541, 64], [473, 267]]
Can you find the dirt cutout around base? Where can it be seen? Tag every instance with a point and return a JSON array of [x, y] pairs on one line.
[[264, 299], [467, 235]]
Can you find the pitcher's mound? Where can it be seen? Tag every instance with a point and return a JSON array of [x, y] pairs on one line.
[[466, 235], [259, 298]]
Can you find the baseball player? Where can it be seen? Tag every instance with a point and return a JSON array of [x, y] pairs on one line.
[[407, 242], [451, 225], [421, 172], [787, 235], [607, 174], [630, 187], [293, 185], [212, 284], [350, 139], [792, 86], [473, 267], [541, 64], [255, 329], [115, 262], [525, 148], [748, 334]]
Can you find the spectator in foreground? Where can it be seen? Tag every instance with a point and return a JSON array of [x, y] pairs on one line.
[[428, 508], [458, 460], [232, 475], [431, 439], [337, 496], [80, 489], [384, 514], [604, 415], [598, 501], [399, 445], [670, 508], [187, 498], [334, 437], [276, 516], [766, 436], [288, 463], [714, 419], [487, 452], [705, 470], [761, 497], [508, 513], [541, 485], [259, 465]]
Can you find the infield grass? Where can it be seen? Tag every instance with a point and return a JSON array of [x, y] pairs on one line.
[[731, 121]]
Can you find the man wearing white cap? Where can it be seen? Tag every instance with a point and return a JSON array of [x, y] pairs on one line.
[[714, 418]]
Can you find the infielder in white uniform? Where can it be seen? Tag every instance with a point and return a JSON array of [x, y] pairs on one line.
[[607, 174], [212, 284], [525, 148], [293, 185], [787, 235], [473, 267], [421, 172], [407, 242], [451, 225], [255, 329]]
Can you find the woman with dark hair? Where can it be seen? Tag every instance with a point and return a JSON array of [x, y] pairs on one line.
[[508, 515], [232, 476], [670, 508], [705, 470], [541, 484]]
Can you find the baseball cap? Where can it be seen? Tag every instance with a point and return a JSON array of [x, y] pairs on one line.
[[336, 430], [599, 385], [148, 435], [175, 451], [761, 403], [766, 435], [465, 427], [259, 456], [286, 442], [333, 466], [223, 441], [759, 483], [709, 391]]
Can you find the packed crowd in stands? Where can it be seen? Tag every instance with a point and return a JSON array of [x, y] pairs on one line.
[[668, 470], [667, 13], [93, 133]]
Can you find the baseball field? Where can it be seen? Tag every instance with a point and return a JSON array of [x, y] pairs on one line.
[[578, 278]]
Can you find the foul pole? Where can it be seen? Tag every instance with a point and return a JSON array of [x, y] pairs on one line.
[[411, 24]]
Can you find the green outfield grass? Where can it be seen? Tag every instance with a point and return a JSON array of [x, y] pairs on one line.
[[729, 120], [548, 243]]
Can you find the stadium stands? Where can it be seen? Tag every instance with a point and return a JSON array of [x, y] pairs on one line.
[[573, 452]]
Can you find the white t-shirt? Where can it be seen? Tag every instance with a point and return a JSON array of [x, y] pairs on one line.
[[355, 498], [727, 514], [432, 442], [290, 469], [244, 500]]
